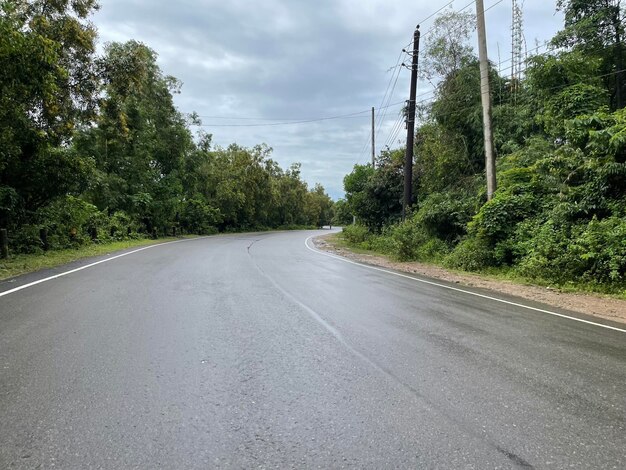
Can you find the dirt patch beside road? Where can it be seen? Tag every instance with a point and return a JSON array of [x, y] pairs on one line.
[[599, 306]]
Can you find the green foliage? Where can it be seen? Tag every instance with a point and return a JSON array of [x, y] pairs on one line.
[[427, 235], [571, 102], [443, 159], [375, 195], [198, 217], [447, 47], [342, 214], [47, 87], [592, 252], [445, 215], [472, 254], [594, 29], [94, 149], [68, 221], [355, 233]]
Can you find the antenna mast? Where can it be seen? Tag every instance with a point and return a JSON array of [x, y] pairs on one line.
[[518, 43]]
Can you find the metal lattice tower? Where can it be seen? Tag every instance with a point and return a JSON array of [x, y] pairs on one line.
[[518, 43]]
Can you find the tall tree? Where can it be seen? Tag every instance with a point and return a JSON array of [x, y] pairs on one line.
[[595, 27], [47, 86], [447, 47], [139, 140]]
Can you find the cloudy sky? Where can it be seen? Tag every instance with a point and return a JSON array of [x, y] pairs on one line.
[[253, 69]]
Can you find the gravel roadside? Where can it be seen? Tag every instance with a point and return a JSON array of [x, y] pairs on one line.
[[600, 306]]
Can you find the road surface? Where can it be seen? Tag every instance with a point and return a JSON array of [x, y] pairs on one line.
[[256, 351]]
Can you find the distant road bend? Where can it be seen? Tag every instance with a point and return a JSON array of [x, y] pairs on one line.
[[256, 350]]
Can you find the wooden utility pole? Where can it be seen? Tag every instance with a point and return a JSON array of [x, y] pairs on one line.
[[373, 143], [373, 147], [410, 128], [485, 96]]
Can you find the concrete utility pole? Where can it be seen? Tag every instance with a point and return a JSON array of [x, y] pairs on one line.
[[373, 147], [485, 95], [410, 128]]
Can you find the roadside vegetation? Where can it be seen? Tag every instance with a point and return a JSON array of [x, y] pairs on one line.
[[94, 151], [559, 214], [25, 263]]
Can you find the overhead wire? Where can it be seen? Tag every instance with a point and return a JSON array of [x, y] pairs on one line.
[[357, 114], [389, 95]]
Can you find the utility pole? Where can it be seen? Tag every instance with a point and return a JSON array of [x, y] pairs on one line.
[[410, 128], [485, 96], [373, 147]]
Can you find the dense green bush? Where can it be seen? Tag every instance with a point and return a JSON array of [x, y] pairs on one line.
[[445, 215], [198, 217], [355, 233], [592, 252], [472, 254], [26, 240], [406, 238], [68, 221], [559, 212]]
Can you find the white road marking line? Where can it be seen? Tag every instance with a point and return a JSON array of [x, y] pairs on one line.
[[476, 294], [34, 283]]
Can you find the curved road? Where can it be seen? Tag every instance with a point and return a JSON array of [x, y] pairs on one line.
[[257, 351]]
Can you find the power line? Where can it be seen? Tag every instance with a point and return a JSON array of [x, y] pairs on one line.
[[397, 69], [357, 114], [433, 14], [395, 76], [464, 8], [377, 131], [395, 131]]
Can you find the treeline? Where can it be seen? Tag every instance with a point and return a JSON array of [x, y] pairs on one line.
[[559, 213], [93, 147]]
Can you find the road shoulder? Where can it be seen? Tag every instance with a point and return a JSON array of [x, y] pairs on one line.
[[605, 307]]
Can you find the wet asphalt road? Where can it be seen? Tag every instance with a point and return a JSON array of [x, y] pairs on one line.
[[252, 351]]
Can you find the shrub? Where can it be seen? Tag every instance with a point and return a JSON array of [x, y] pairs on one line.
[[497, 219], [26, 240], [68, 220], [433, 249], [198, 217], [445, 215], [406, 238], [593, 252], [355, 233], [472, 254]]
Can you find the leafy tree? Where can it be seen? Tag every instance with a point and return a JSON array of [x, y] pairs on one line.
[[375, 195], [140, 140], [319, 208], [595, 28], [47, 87], [447, 47], [559, 213], [342, 214]]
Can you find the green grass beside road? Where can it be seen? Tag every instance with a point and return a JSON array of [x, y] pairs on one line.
[[27, 263]]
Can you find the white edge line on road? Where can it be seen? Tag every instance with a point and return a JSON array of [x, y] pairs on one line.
[[39, 281], [476, 294]]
